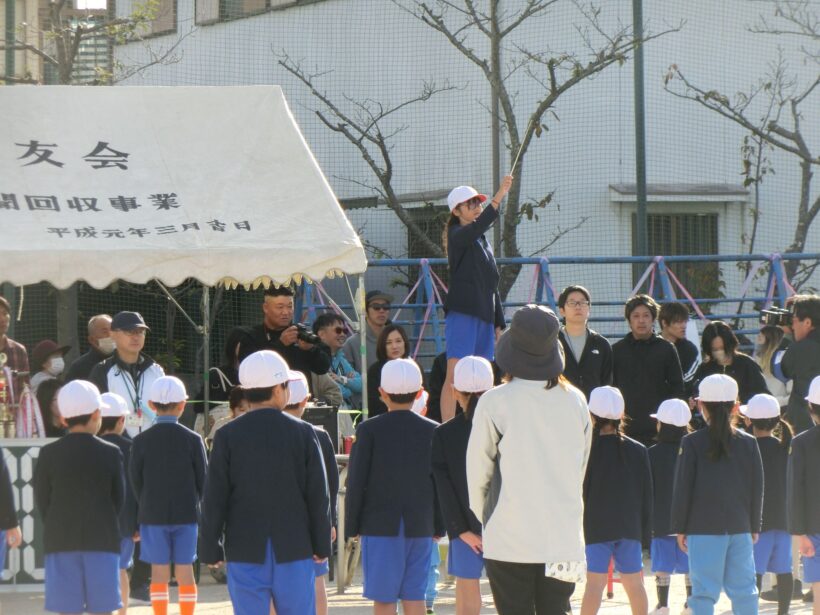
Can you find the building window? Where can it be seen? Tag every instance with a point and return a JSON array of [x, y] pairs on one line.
[[682, 234], [165, 20]]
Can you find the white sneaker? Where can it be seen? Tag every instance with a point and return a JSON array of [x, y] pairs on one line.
[[661, 610], [686, 611]]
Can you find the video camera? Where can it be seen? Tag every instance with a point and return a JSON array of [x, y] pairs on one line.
[[777, 317], [304, 333]]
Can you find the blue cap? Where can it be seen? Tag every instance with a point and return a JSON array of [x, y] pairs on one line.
[[128, 321]]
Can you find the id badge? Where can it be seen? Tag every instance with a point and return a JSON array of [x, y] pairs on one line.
[[133, 420]]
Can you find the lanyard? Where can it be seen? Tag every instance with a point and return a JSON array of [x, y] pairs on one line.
[[137, 391]]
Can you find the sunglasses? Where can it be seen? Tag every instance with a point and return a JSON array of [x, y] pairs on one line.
[[339, 330], [473, 203], [383, 307]]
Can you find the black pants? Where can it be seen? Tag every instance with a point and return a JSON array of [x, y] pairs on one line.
[[522, 589]]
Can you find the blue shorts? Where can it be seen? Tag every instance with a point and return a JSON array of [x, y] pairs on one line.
[[320, 570], [627, 554], [83, 582], [467, 335], [462, 561], [126, 553], [773, 552], [395, 567], [166, 544], [289, 585], [2, 550], [667, 556], [811, 565]]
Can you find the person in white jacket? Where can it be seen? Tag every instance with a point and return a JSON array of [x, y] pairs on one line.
[[531, 434]]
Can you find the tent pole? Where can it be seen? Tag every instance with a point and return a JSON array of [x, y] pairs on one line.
[[206, 354], [360, 308], [173, 300]]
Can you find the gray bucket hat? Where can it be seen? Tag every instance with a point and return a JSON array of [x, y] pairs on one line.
[[529, 348]]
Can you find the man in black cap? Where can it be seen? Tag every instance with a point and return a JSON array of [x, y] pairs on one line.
[[100, 347], [377, 306], [279, 333]]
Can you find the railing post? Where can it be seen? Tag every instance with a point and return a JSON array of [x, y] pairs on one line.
[[779, 272], [431, 298], [666, 284], [545, 284]]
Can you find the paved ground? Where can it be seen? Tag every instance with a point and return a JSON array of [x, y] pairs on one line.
[[214, 601]]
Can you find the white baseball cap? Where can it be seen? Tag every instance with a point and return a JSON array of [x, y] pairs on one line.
[[298, 390], [78, 398], [761, 406], [461, 194], [263, 369], [814, 391], [167, 390], [673, 412], [114, 405], [473, 375], [420, 405], [717, 387], [606, 402], [401, 376]]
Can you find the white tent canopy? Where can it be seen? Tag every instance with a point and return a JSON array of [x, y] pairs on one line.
[[141, 183]]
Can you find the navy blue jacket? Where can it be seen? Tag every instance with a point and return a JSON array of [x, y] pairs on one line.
[[617, 491], [802, 483], [8, 514], [390, 478], [662, 458], [473, 272], [647, 372], [79, 490], [775, 462], [266, 482], [450, 473], [128, 514], [331, 468], [718, 497], [167, 469], [745, 371], [594, 369]]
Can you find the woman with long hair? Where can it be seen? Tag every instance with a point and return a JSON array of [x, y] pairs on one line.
[[766, 348], [391, 344]]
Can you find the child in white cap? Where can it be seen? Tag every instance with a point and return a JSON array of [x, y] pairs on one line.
[[673, 418], [473, 376], [391, 502], [773, 549], [298, 397], [717, 502], [804, 494], [617, 503], [82, 534], [168, 467], [114, 412]]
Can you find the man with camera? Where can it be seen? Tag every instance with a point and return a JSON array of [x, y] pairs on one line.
[[298, 345], [801, 361]]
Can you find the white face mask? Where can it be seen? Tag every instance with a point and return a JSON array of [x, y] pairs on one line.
[[55, 366], [719, 356], [107, 345]]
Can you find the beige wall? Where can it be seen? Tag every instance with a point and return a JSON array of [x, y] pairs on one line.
[[27, 18]]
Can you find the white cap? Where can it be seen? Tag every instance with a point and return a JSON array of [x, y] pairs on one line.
[[114, 405], [814, 391], [167, 390], [263, 369], [78, 398], [473, 375], [298, 390], [761, 406], [401, 376], [717, 387], [606, 402], [673, 412], [420, 405], [461, 194]]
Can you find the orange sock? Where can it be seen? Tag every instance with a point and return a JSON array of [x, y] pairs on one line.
[[187, 599], [159, 598]]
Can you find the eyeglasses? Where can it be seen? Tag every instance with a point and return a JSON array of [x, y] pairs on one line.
[[382, 307], [339, 330], [473, 203], [581, 304]]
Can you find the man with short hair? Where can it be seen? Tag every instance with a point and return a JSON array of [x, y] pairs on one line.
[[100, 347], [16, 355], [377, 306], [588, 353], [331, 330], [673, 318], [647, 368], [801, 361], [279, 333]]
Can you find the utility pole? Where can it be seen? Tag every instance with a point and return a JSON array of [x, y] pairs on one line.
[[641, 243]]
